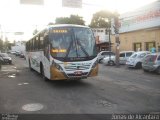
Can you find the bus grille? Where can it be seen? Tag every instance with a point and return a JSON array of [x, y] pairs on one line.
[[73, 67], [74, 76]]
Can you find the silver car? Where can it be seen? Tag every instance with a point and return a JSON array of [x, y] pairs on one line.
[[104, 54], [124, 55], [109, 60], [152, 63], [135, 60]]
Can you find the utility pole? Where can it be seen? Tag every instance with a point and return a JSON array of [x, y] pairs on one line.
[[108, 29], [117, 41], [109, 32]]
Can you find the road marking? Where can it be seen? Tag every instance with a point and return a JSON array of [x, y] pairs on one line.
[[23, 83], [12, 76], [32, 107]]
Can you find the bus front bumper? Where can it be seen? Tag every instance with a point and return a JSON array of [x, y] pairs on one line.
[[59, 75]]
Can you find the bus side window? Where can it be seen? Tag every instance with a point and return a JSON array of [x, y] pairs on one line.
[[46, 39], [41, 41], [33, 42], [36, 43], [32, 45]]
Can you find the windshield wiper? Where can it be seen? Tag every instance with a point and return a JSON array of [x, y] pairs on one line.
[[79, 43], [69, 48]]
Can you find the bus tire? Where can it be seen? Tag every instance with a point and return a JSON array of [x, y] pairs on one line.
[[43, 73]]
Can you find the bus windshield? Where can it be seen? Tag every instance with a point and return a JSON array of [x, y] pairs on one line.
[[71, 44]]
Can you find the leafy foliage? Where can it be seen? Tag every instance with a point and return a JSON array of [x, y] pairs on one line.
[[35, 31], [73, 19], [101, 19], [1, 45]]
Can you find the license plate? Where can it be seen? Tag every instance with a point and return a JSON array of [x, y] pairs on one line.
[[78, 72]]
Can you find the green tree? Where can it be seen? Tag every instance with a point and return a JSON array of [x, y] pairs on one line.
[[1, 45], [73, 19], [6, 44], [101, 19], [51, 23], [35, 31]]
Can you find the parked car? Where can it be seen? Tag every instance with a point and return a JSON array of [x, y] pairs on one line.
[[17, 53], [1, 59], [104, 54], [13, 52], [152, 62], [135, 60], [109, 60], [6, 58], [124, 55], [21, 55]]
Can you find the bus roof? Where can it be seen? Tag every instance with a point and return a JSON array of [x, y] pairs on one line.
[[66, 25], [59, 25]]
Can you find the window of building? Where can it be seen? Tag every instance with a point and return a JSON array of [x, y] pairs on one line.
[[158, 48], [150, 45], [137, 46]]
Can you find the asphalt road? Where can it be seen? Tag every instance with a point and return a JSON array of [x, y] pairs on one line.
[[115, 90]]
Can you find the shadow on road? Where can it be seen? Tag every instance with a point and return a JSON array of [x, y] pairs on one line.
[[69, 83]]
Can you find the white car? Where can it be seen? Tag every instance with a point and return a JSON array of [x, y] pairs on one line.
[[135, 60], [124, 56], [109, 60], [104, 54]]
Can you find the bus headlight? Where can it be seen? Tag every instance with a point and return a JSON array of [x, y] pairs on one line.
[[57, 66], [94, 64]]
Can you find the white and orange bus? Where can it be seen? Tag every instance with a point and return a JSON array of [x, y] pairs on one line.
[[62, 52]]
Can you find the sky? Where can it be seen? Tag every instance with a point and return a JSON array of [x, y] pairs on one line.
[[16, 17]]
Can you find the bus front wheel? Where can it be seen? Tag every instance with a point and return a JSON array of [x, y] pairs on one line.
[[30, 65], [43, 73]]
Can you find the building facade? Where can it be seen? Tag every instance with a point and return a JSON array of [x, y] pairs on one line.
[[19, 47], [102, 38], [140, 29]]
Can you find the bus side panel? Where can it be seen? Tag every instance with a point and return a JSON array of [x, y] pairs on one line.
[[35, 60], [46, 66], [94, 72], [27, 58]]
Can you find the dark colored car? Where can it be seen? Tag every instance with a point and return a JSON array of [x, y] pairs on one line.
[[1, 61], [21, 55], [6, 58]]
